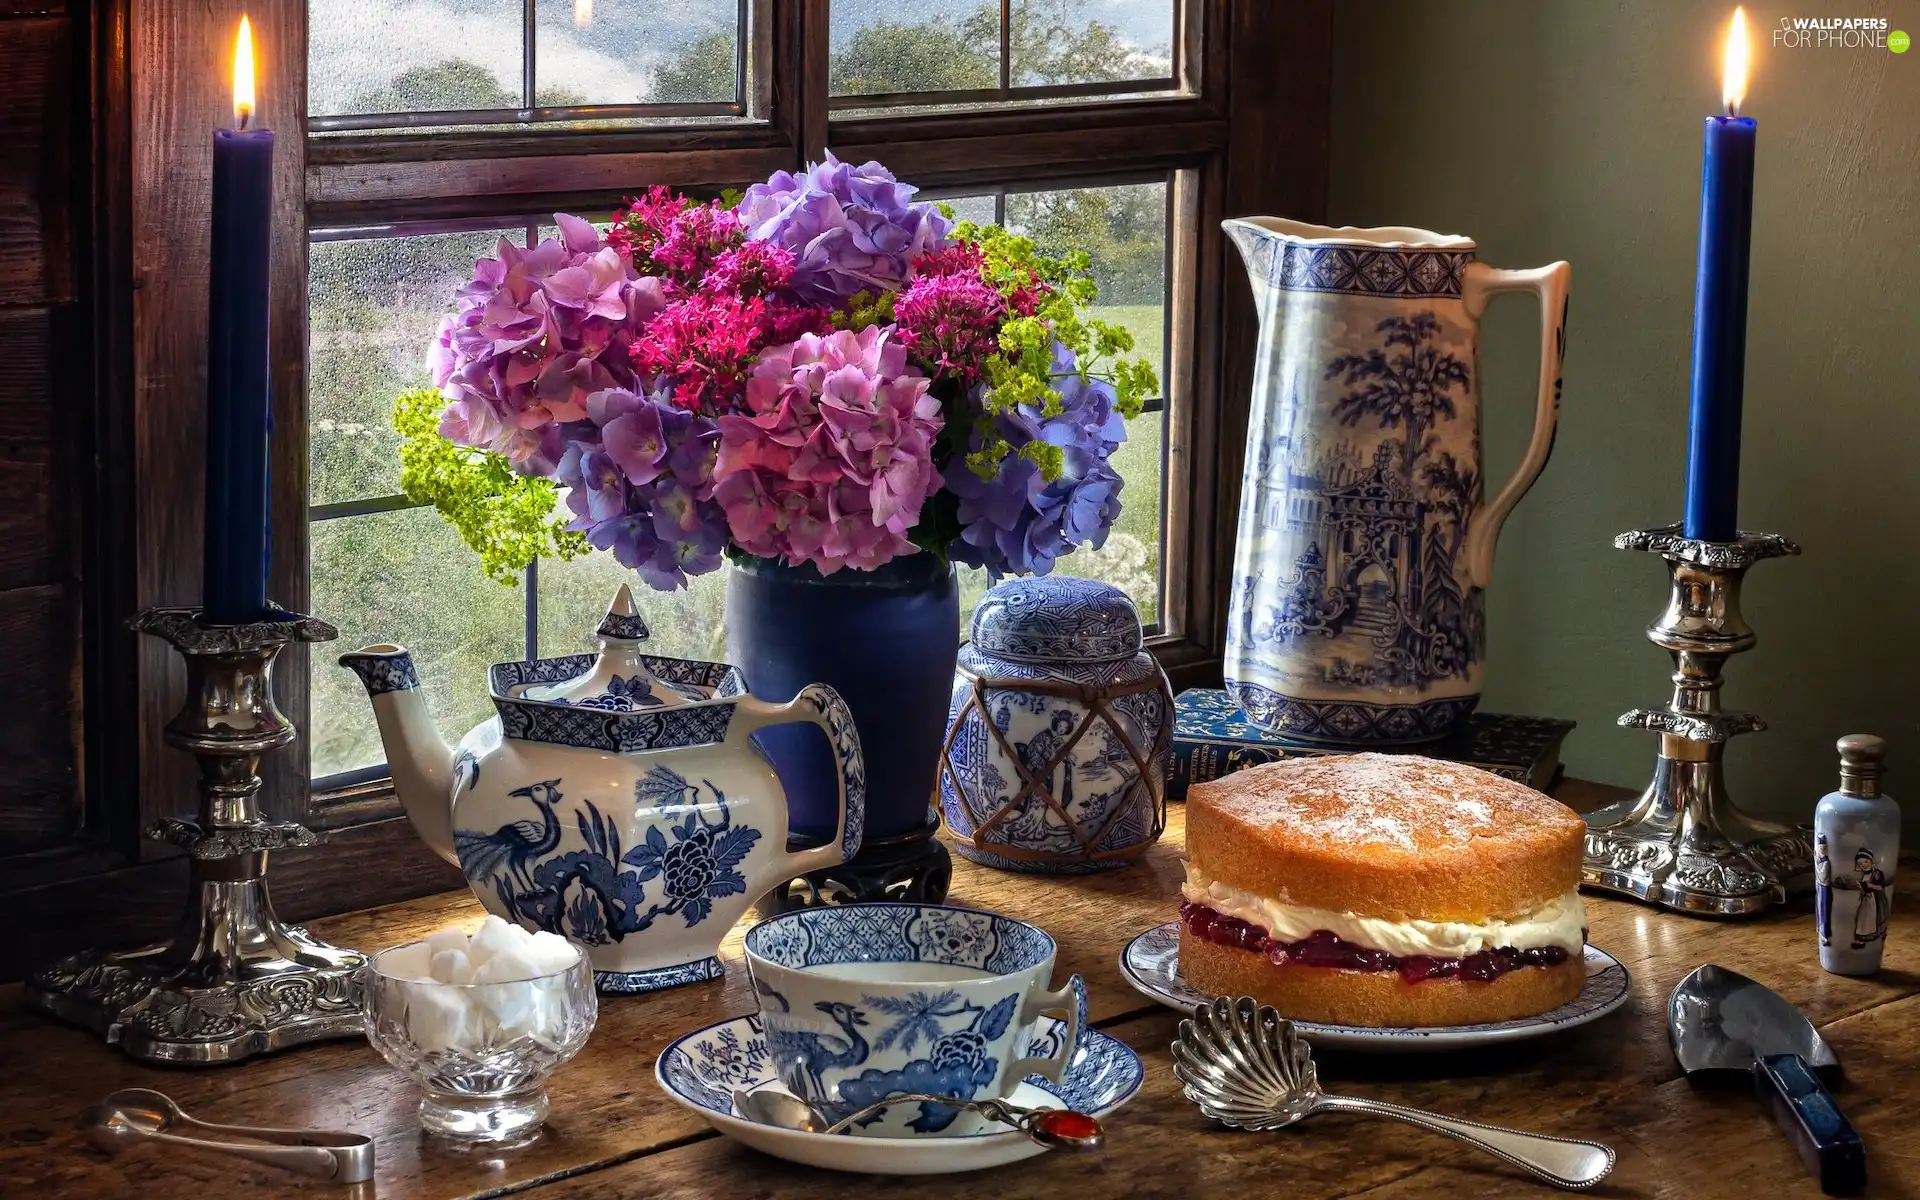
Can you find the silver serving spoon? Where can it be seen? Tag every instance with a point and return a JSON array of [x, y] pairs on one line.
[[1063, 1128], [140, 1114], [1244, 1065]]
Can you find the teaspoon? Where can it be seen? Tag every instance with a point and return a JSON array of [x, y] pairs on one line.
[[1059, 1127], [1244, 1065]]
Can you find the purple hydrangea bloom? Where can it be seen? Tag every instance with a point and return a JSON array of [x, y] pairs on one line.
[[1019, 523], [537, 331], [850, 228], [639, 478]]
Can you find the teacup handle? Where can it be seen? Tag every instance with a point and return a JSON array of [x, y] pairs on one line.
[[1479, 284], [817, 704], [1072, 1000]]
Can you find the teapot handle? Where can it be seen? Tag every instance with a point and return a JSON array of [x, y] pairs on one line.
[[1480, 284], [818, 704]]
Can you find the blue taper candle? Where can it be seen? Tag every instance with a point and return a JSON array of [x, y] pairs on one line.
[[1720, 309], [235, 581]]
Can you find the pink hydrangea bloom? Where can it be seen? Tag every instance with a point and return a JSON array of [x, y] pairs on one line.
[[535, 333], [836, 458]]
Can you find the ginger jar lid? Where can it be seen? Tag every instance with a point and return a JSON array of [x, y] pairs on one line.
[[621, 678], [1055, 618]]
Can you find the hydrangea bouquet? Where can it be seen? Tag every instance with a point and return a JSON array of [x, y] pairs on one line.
[[819, 371]]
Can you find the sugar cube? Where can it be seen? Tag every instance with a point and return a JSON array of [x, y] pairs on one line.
[[446, 939], [451, 966], [507, 965], [411, 961], [491, 938]]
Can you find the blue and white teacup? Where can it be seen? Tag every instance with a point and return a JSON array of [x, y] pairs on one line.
[[865, 1001]]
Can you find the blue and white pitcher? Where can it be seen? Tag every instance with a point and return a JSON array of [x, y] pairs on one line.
[[1364, 548]]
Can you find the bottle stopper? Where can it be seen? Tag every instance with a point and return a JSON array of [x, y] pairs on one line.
[[1862, 758]]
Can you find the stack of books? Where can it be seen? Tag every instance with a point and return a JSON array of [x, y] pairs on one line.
[[1211, 738]]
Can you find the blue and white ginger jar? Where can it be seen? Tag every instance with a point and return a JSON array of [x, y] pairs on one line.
[[1059, 733]]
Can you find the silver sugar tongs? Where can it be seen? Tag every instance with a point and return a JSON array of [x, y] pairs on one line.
[[141, 1114]]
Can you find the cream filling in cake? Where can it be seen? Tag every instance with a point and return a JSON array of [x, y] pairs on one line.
[[1560, 922]]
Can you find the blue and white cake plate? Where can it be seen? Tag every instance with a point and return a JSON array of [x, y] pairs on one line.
[[701, 1070], [1151, 963]]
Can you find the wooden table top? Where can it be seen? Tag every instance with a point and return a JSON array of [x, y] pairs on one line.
[[614, 1134]]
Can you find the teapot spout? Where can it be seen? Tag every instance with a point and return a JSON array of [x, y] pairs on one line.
[[419, 758]]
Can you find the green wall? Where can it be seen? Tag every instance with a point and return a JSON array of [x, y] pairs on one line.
[[1551, 130]]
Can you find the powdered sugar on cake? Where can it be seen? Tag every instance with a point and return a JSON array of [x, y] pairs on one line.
[[1401, 802]]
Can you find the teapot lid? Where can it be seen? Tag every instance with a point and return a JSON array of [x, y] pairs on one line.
[[620, 679], [1055, 618]]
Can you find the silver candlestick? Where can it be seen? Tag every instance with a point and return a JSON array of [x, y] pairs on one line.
[[1682, 843], [235, 981]]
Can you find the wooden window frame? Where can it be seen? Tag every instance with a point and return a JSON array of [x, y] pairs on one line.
[[1245, 131]]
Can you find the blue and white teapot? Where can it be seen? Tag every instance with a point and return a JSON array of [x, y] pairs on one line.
[[615, 799]]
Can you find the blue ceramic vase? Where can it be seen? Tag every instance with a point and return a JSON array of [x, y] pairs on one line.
[[1059, 733], [885, 640]]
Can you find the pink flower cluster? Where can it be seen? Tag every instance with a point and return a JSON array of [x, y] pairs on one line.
[[533, 335], [835, 460], [951, 322]]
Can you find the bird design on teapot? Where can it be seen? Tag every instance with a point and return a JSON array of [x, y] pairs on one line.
[[613, 799]]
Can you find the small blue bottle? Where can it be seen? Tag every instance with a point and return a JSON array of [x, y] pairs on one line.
[[1856, 844]]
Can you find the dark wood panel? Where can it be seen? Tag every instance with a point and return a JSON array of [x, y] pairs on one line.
[[285, 793], [26, 382], [37, 496], [336, 191], [36, 93], [660, 141], [378, 863], [1276, 164], [39, 737], [181, 95], [934, 161]]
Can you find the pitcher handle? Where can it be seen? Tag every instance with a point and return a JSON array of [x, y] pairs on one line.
[[1480, 284], [818, 704]]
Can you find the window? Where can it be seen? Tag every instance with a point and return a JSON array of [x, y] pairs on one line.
[[1087, 124]]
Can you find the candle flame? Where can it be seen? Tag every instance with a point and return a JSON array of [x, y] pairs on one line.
[[582, 13], [243, 75], [1733, 76]]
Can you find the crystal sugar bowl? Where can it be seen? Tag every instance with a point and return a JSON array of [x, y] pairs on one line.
[[481, 1051]]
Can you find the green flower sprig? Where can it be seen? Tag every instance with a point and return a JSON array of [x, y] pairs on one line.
[[1021, 373], [505, 517]]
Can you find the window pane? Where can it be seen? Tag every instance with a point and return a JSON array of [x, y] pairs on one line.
[[373, 306], [635, 51], [978, 209], [950, 45], [1124, 232], [682, 624], [373, 56], [405, 577], [941, 46], [1075, 41]]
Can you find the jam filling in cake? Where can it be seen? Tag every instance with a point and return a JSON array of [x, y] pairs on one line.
[[1323, 948]]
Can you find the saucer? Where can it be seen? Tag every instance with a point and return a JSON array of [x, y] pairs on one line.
[[1151, 963], [701, 1070]]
